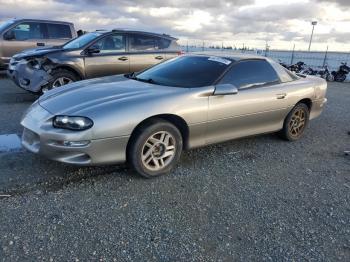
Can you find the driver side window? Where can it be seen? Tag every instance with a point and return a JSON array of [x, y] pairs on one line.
[[251, 73], [111, 44], [26, 31]]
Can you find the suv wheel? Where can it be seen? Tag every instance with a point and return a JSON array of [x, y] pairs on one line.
[[155, 148], [60, 77]]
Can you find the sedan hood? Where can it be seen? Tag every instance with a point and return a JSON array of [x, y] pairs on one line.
[[79, 97], [37, 52]]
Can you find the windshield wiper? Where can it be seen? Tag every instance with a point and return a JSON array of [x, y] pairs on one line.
[[134, 77], [149, 80]]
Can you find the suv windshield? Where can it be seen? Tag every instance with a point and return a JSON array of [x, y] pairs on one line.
[[186, 71], [6, 24], [81, 41]]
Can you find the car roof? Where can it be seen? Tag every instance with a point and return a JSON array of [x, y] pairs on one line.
[[41, 20], [137, 31], [229, 55]]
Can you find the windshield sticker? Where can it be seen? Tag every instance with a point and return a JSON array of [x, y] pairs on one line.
[[219, 60]]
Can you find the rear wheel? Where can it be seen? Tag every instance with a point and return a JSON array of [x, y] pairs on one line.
[[155, 148], [340, 77], [295, 122], [60, 77]]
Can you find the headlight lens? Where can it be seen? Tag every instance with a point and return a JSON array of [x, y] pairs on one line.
[[72, 122]]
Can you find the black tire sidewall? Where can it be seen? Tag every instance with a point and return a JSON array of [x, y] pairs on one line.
[[134, 151], [286, 132]]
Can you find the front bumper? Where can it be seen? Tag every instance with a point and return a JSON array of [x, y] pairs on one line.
[[28, 78], [41, 138]]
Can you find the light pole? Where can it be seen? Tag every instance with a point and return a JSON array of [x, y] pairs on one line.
[[312, 32]]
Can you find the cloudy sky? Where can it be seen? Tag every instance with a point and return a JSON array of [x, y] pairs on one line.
[[235, 22]]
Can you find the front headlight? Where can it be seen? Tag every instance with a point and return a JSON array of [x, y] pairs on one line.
[[72, 122]]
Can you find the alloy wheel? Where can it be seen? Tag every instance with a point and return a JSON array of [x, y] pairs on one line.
[[57, 83], [158, 151], [61, 81], [297, 122]]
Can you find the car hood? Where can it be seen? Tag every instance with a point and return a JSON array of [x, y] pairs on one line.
[[79, 97], [37, 52]]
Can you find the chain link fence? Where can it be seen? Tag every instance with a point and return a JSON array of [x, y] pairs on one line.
[[313, 59]]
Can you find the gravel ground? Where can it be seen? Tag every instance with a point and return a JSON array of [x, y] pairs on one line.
[[257, 198]]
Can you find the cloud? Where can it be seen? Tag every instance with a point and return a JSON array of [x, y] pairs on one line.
[[233, 21], [339, 2]]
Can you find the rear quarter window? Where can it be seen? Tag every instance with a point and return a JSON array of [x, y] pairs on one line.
[[284, 74]]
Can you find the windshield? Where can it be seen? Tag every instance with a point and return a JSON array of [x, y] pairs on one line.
[[186, 71], [81, 41], [4, 25]]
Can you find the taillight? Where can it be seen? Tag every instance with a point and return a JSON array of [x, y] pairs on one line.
[[180, 53]]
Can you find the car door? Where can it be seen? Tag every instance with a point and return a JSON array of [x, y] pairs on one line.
[[24, 35], [111, 59], [256, 108], [57, 34], [144, 51]]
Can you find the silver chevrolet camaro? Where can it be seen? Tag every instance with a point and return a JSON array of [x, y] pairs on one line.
[[148, 118]]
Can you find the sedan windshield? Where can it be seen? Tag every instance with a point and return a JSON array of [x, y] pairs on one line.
[[81, 41], [5, 25], [186, 71]]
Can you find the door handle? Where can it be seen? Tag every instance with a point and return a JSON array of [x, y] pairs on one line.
[[123, 58], [159, 57], [40, 44], [281, 96]]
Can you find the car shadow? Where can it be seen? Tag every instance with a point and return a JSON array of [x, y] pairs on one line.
[[35, 173]]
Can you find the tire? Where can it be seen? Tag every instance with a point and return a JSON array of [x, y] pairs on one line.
[[295, 116], [329, 78], [159, 142], [340, 77], [58, 75]]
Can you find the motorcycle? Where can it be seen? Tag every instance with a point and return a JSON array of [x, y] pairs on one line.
[[325, 74], [297, 68], [342, 72], [309, 71]]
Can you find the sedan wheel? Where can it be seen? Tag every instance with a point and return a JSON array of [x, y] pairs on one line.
[[158, 151], [155, 148], [296, 122]]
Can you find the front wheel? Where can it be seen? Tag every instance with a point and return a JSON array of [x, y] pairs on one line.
[[329, 78], [155, 148], [60, 77], [295, 122]]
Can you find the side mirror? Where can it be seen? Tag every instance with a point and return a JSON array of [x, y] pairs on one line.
[[93, 49], [9, 35], [225, 89]]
